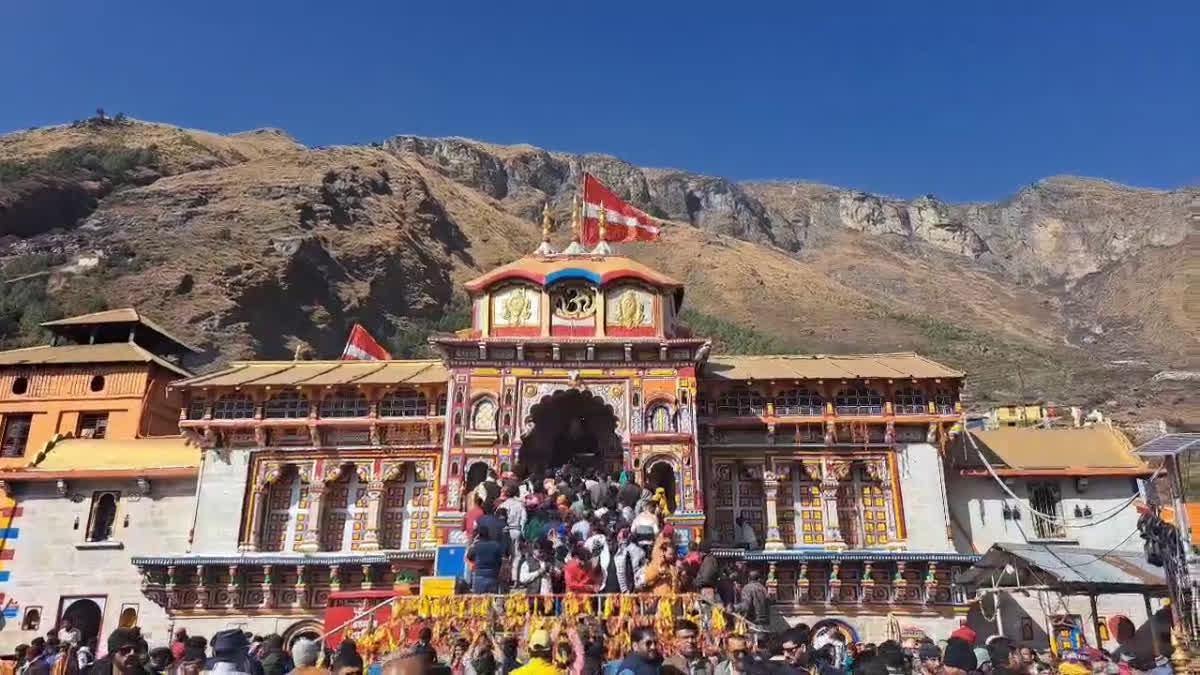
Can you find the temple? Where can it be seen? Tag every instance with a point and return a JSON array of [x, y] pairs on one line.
[[325, 480]]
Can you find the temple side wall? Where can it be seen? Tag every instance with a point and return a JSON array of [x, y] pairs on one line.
[[977, 509], [222, 491], [922, 487], [58, 565]]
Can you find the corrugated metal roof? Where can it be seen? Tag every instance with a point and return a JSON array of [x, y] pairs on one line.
[[321, 373], [1098, 446], [106, 352], [821, 367], [1067, 567]]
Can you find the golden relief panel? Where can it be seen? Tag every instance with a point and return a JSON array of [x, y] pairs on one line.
[[516, 306], [574, 301], [629, 307]]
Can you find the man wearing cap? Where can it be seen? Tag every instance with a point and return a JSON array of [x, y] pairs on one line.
[[959, 658], [231, 654], [929, 658], [539, 656], [123, 657]]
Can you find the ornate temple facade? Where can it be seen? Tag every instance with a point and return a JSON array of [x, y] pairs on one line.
[[325, 480]]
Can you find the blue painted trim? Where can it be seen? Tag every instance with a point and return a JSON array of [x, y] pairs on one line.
[[4, 576], [11, 613], [572, 273], [851, 555], [9, 532]]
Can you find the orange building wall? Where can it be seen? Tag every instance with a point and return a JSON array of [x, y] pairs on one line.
[[133, 397]]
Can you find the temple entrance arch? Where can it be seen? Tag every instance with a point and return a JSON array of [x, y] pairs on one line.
[[661, 474], [476, 473], [571, 426]]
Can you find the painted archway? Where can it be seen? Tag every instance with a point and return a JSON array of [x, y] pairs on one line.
[[824, 632], [86, 615]]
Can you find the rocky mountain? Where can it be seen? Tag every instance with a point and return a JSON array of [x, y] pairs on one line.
[[1074, 290]]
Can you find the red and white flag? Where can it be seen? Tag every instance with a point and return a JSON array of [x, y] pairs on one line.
[[362, 347], [625, 223]]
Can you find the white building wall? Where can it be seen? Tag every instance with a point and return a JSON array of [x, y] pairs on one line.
[[222, 492], [54, 561], [922, 487], [977, 513], [1023, 614]]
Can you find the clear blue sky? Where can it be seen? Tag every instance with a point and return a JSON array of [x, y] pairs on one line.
[[968, 100]]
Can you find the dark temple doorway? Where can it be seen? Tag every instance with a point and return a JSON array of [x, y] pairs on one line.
[[662, 475], [575, 427]]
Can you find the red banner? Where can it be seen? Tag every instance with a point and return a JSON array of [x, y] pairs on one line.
[[625, 222]]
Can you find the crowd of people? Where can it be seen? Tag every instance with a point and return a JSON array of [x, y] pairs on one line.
[[579, 650], [584, 531]]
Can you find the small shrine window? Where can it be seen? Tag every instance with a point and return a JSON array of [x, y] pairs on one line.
[[32, 619], [93, 425], [859, 401], [441, 403], [910, 401], [404, 403], [660, 419], [483, 415], [741, 402], [104, 516], [1046, 498], [287, 405], [233, 407], [943, 402], [345, 403], [799, 402]]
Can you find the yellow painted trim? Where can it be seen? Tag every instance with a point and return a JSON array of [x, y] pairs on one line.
[[591, 373], [554, 373], [625, 373], [485, 371], [522, 372], [662, 371], [485, 327]]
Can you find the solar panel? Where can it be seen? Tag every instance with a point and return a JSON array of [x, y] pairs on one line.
[[1169, 445]]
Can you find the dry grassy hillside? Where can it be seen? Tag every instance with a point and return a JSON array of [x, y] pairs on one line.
[[251, 245]]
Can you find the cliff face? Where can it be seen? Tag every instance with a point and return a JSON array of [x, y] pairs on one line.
[[251, 245]]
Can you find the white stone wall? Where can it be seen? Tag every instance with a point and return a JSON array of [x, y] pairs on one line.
[[52, 559], [922, 481], [976, 507], [222, 492]]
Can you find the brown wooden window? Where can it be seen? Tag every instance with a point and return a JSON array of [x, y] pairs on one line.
[[911, 401], [441, 403], [799, 402], [196, 408], [943, 402], [93, 425], [233, 407], [859, 401], [404, 403], [345, 403], [741, 402], [16, 434], [286, 405]]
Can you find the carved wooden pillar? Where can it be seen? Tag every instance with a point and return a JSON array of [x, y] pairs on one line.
[[802, 583], [833, 531], [931, 583], [268, 582], [772, 582], [257, 508], [311, 541], [370, 540], [335, 577], [368, 581], [771, 492], [233, 589], [301, 586], [835, 582]]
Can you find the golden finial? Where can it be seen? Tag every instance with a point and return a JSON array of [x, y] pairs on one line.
[[547, 223], [575, 219], [603, 225]]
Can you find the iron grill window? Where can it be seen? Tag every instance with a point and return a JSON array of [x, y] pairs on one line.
[[404, 403], [1047, 498], [799, 402]]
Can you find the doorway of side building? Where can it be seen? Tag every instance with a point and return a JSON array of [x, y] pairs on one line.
[[85, 612], [662, 475]]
